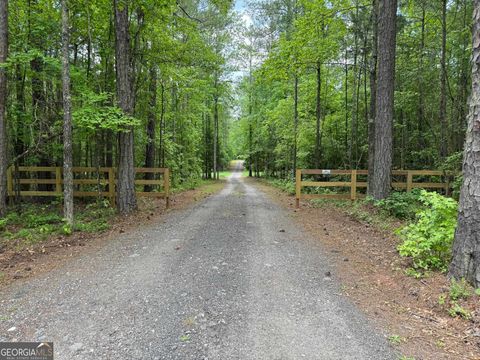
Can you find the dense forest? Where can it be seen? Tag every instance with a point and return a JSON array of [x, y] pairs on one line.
[[178, 97], [309, 100], [283, 84]]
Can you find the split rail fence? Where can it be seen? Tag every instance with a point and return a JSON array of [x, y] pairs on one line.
[[101, 182], [354, 184]]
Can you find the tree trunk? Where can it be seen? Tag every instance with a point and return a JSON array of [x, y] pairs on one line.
[[161, 147], [466, 247], [67, 120], [215, 134], [421, 88], [318, 114], [387, 14], [250, 136], [373, 98], [152, 120], [443, 85], [462, 97], [250, 109], [3, 103], [295, 123], [353, 151], [126, 197], [346, 107]]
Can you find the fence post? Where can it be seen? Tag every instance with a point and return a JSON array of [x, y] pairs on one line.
[[409, 181], [10, 183], [166, 187], [353, 185], [111, 186], [58, 180], [447, 183], [298, 187]]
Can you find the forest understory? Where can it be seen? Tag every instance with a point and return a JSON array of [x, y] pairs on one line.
[[416, 313]]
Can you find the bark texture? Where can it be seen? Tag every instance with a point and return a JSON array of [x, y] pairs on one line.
[[373, 94], [387, 14], [466, 247], [3, 101], [126, 198], [318, 116], [295, 124], [443, 84], [152, 120], [67, 120]]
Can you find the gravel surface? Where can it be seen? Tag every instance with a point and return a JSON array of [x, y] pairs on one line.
[[230, 278]]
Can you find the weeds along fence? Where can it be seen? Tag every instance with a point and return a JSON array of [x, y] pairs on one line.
[[357, 179], [44, 181]]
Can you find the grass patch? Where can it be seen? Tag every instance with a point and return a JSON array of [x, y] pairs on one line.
[[211, 186]]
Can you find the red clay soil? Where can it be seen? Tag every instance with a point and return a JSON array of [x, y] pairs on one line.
[[20, 264], [372, 274]]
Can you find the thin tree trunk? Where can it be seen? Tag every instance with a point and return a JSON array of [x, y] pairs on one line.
[[3, 103], [373, 96], [384, 104], [67, 120], [250, 109], [21, 111], [462, 87], [466, 246], [152, 120], [89, 43], [161, 147], [295, 123], [353, 151], [126, 197], [318, 115], [421, 87], [250, 145], [215, 134], [443, 85]]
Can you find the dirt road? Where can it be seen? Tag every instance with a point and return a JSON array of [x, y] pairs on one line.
[[230, 278]]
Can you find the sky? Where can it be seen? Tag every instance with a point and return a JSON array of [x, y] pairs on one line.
[[239, 5]]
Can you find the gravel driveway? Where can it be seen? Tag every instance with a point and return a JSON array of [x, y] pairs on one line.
[[230, 278]]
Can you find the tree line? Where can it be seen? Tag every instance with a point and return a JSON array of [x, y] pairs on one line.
[[319, 63], [114, 84], [375, 84]]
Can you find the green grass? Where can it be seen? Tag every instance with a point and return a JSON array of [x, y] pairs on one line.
[[224, 174]]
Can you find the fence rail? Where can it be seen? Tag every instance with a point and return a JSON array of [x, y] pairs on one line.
[[354, 184], [48, 181]]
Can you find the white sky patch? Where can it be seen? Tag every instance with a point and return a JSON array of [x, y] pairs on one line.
[[246, 18]]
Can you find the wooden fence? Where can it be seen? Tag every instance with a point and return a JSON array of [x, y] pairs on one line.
[[354, 184], [48, 181]]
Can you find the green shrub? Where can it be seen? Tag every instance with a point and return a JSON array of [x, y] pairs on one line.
[[3, 224], [429, 239], [284, 184], [459, 290], [36, 220], [98, 225], [402, 205], [457, 310]]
